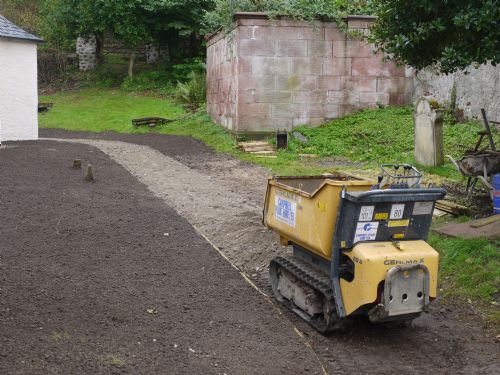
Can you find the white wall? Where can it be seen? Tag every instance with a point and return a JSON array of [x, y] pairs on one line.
[[18, 90]]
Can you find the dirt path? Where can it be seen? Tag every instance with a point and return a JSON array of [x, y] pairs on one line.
[[90, 282], [448, 340]]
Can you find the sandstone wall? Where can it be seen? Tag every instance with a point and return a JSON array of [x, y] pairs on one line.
[[222, 79], [275, 75], [480, 87]]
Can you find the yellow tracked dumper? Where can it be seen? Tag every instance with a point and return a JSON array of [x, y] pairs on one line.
[[359, 248]]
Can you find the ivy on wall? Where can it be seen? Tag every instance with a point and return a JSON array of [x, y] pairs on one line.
[[222, 14]]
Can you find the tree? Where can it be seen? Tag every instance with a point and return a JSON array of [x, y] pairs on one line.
[[23, 13], [448, 34], [133, 22], [67, 19]]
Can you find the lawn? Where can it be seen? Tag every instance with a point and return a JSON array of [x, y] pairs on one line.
[[366, 139], [111, 110], [382, 136], [470, 269]]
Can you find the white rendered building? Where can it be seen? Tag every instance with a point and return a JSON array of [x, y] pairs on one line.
[[18, 83]]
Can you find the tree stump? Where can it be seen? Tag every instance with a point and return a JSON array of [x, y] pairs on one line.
[[77, 164]]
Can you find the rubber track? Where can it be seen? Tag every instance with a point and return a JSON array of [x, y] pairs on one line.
[[317, 280]]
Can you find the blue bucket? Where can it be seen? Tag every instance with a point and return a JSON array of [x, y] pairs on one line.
[[496, 194]]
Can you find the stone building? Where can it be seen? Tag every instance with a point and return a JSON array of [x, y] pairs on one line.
[[267, 75], [18, 83]]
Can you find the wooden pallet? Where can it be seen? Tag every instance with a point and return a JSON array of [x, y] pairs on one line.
[[259, 148]]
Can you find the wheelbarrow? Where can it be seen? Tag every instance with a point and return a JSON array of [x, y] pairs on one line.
[[479, 164]]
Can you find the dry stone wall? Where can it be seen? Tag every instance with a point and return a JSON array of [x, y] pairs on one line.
[[269, 75]]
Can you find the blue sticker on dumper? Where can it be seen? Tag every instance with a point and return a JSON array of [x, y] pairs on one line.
[[285, 211], [366, 231]]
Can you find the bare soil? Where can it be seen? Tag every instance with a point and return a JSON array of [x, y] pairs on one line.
[[448, 340], [478, 203], [104, 277]]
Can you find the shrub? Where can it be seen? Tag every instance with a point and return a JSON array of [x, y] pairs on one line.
[[193, 91], [144, 81], [54, 66], [183, 72]]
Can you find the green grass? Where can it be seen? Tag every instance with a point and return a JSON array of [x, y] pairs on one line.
[[111, 110], [470, 272], [377, 136], [104, 110], [370, 137], [469, 268]]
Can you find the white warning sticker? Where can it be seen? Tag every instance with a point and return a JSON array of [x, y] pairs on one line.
[[285, 211], [397, 211], [366, 231], [423, 208], [366, 213]]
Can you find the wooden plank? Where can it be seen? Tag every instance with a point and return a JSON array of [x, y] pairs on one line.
[[308, 156], [263, 147], [253, 143], [438, 213], [150, 121], [263, 152], [485, 221], [257, 147], [488, 130], [452, 208]]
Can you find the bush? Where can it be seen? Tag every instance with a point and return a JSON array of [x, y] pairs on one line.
[[54, 66], [104, 76], [192, 92], [183, 72], [150, 80], [222, 15]]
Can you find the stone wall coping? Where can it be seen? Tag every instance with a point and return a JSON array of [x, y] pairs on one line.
[[265, 16], [210, 36]]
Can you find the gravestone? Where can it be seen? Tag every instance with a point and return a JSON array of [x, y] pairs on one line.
[[428, 133]]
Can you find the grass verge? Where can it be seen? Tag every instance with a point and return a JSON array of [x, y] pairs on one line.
[[470, 269], [470, 272]]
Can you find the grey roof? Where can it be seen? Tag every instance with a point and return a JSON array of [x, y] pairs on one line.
[[9, 30]]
